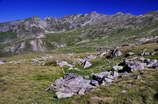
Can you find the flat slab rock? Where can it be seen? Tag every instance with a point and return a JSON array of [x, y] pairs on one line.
[[71, 84]]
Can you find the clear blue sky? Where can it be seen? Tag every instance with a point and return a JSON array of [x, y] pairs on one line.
[[19, 9]]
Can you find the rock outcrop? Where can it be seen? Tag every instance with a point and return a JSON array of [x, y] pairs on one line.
[[71, 84]]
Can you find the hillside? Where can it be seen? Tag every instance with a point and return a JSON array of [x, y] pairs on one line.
[[90, 30], [88, 58]]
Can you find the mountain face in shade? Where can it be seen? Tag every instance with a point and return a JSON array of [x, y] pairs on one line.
[[38, 35]]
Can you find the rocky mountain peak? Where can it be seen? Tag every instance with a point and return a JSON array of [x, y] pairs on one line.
[[88, 25]]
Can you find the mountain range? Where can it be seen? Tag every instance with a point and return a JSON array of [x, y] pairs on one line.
[[83, 30]]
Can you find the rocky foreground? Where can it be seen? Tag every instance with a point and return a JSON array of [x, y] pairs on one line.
[[73, 84], [112, 75]]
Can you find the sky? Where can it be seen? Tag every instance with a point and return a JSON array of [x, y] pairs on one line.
[[20, 9]]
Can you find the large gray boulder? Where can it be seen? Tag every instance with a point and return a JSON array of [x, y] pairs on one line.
[[132, 65], [71, 84]]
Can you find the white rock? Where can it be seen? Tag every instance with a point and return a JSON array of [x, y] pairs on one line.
[[116, 68], [87, 64], [64, 63]]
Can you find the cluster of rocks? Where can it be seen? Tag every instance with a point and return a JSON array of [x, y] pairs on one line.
[[130, 65], [111, 53], [69, 85], [72, 84]]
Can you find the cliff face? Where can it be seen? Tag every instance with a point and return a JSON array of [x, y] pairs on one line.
[[30, 34]]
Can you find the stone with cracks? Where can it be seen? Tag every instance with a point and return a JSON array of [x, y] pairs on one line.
[[71, 84]]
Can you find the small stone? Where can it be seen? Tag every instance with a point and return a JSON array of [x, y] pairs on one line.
[[63, 95], [87, 64], [116, 68], [124, 91], [132, 65]]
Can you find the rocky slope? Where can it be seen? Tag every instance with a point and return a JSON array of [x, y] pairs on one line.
[[40, 35]]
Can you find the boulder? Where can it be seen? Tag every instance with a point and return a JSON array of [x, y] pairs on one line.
[[87, 64], [116, 53], [132, 65], [71, 84]]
